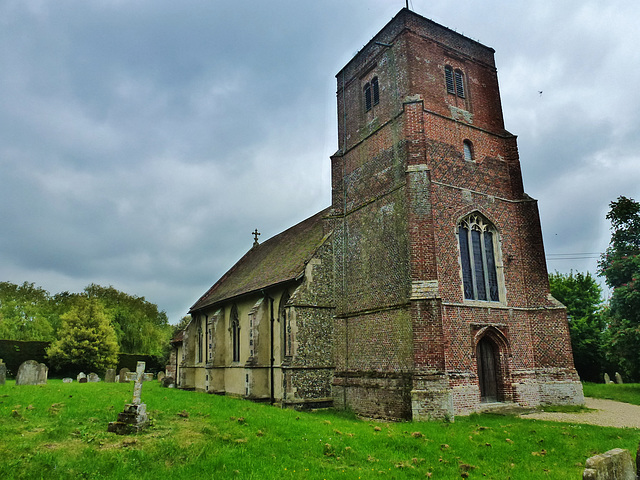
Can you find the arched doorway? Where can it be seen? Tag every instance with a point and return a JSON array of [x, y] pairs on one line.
[[488, 370]]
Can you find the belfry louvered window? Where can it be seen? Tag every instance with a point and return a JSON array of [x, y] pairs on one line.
[[448, 75], [459, 83], [454, 81], [371, 93], [477, 258]]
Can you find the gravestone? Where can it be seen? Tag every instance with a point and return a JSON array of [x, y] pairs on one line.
[[117, 380], [93, 377], [618, 378], [168, 382], [67, 380], [80, 376], [148, 377], [134, 417], [607, 378], [110, 375], [615, 464], [28, 373], [123, 375], [42, 373], [3, 372], [161, 375]]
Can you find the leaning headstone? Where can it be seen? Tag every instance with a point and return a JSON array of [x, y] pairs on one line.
[[67, 380], [615, 464], [82, 380], [160, 376], [42, 373], [27, 373], [168, 382], [607, 378], [80, 375], [618, 378], [3, 372], [93, 377], [110, 375], [123, 375], [134, 417]]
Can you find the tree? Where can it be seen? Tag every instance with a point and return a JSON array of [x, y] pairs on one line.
[[620, 265], [25, 313], [581, 294], [86, 339], [139, 326]]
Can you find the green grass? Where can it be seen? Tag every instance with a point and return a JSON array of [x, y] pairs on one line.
[[625, 392], [59, 431]]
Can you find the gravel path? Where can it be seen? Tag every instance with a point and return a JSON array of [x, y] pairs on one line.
[[608, 414]]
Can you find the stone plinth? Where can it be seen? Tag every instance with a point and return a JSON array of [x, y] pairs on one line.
[[133, 419]]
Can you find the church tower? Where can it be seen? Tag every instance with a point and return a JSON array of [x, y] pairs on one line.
[[441, 289]]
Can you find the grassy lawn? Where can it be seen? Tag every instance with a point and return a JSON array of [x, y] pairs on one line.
[[59, 431], [626, 392]]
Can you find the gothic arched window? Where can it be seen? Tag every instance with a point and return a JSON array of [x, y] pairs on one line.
[[478, 242], [200, 357], [285, 325], [235, 334]]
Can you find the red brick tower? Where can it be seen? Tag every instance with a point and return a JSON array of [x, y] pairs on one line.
[[441, 285]]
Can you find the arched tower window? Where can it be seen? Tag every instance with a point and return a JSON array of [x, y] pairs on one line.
[[468, 150], [371, 93], [235, 334], [454, 81], [478, 242]]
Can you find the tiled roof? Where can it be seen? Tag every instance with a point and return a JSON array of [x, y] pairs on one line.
[[277, 260]]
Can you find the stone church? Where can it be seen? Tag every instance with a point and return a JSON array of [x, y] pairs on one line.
[[422, 291]]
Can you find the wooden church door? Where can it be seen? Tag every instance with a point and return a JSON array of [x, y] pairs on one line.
[[488, 370]]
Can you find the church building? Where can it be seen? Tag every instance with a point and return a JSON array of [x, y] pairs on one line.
[[422, 290]]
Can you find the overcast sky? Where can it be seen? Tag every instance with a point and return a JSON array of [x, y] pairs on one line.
[[141, 141]]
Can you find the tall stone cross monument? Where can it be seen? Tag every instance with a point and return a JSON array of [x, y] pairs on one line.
[[134, 417]]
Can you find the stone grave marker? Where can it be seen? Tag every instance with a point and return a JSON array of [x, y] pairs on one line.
[[123, 375], [618, 378], [168, 382], [42, 373], [67, 380], [607, 378], [93, 377], [3, 372], [110, 375], [134, 417], [28, 373], [615, 464], [117, 380], [161, 375], [80, 375], [148, 377]]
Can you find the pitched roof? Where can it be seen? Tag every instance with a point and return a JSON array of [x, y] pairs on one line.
[[279, 259]]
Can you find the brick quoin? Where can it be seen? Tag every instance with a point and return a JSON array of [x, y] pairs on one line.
[[406, 338]]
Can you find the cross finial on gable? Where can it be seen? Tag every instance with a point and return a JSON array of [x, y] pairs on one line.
[[255, 234]]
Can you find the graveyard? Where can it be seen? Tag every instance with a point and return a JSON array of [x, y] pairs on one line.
[[60, 430]]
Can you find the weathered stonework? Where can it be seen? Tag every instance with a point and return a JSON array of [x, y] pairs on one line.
[[379, 303]]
